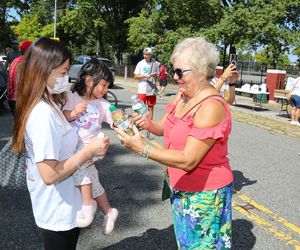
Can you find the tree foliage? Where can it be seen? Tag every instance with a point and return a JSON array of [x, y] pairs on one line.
[[112, 27], [6, 19], [258, 23]]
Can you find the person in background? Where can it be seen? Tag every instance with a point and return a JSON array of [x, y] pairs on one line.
[[86, 109], [147, 71], [225, 84], [196, 126], [294, 97], [163, 74], [3, 88], [12, 54], [13, 76], [50, 142]]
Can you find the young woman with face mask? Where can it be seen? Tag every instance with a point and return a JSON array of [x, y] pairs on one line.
[[49, 141]]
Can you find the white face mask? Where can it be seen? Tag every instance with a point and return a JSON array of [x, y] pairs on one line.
[[60, 85]]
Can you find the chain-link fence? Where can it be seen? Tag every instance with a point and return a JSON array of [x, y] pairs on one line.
[[250, 72]]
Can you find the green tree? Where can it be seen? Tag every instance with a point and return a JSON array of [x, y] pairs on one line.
[[6, 20], [114, 14], [28, 28], [251, 24], [89, 25], [162, 23]]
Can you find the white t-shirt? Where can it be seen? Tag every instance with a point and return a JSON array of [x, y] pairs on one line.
[[102, 107], [296, 87], [50, 136], [143, 68]]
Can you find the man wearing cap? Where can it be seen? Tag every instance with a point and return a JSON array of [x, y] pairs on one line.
[[13, 76], [13, 54], [147, 71]]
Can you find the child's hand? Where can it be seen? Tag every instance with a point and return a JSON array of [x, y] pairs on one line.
[[80, 108], [99, 146]]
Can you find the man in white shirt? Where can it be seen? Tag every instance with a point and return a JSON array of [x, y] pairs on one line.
[[147, 71]]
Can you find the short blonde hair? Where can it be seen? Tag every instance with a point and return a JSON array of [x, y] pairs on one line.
[[202, 55]]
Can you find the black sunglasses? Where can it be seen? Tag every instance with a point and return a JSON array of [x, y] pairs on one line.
[[180, 72]]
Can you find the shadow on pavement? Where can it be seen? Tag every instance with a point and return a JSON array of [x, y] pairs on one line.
[[242, 235], [151, 239], [251, 107], [240, 180], [284, 115], [154, 239]]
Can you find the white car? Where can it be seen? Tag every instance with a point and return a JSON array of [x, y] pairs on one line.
[[80, 60]]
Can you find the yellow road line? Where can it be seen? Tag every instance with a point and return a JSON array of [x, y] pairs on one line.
[[267, 226], [267, 211]]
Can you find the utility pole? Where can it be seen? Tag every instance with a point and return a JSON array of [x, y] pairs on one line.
[[54, 28]]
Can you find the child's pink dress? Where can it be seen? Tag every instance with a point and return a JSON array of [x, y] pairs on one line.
[[88, 126]]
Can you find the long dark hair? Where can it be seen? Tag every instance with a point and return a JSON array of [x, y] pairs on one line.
[[97, 70], [40, 59]]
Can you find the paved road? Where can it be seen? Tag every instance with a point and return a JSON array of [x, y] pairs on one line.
[[266, 214]]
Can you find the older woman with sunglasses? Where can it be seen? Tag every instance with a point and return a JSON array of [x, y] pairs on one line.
[[196, 126]]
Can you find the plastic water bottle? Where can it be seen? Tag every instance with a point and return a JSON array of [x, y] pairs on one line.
[[121, 120], [138, 105]]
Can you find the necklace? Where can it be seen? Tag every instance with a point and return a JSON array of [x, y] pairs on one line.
[[185, 101]]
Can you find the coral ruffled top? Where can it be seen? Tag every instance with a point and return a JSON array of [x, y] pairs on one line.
[[213, 171]]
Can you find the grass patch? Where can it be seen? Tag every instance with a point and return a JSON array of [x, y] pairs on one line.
[[276, 126]]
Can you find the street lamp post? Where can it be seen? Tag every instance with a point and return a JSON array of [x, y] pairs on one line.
[[54, 28]]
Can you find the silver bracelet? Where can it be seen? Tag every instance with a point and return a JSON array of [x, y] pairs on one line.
[[146, 151]]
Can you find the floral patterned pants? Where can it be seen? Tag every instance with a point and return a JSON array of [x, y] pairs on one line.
[[202, 220]]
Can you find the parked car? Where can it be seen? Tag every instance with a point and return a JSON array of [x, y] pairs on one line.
[[3, 59], [80, 60]]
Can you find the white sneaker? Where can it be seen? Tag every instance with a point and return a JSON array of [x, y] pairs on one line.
[[295, 123], [85, 216], [109, 221]]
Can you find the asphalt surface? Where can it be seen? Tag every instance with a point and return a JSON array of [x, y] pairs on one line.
[[265, 165]]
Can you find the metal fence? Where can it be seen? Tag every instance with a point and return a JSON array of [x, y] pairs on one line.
[[244, 67]]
